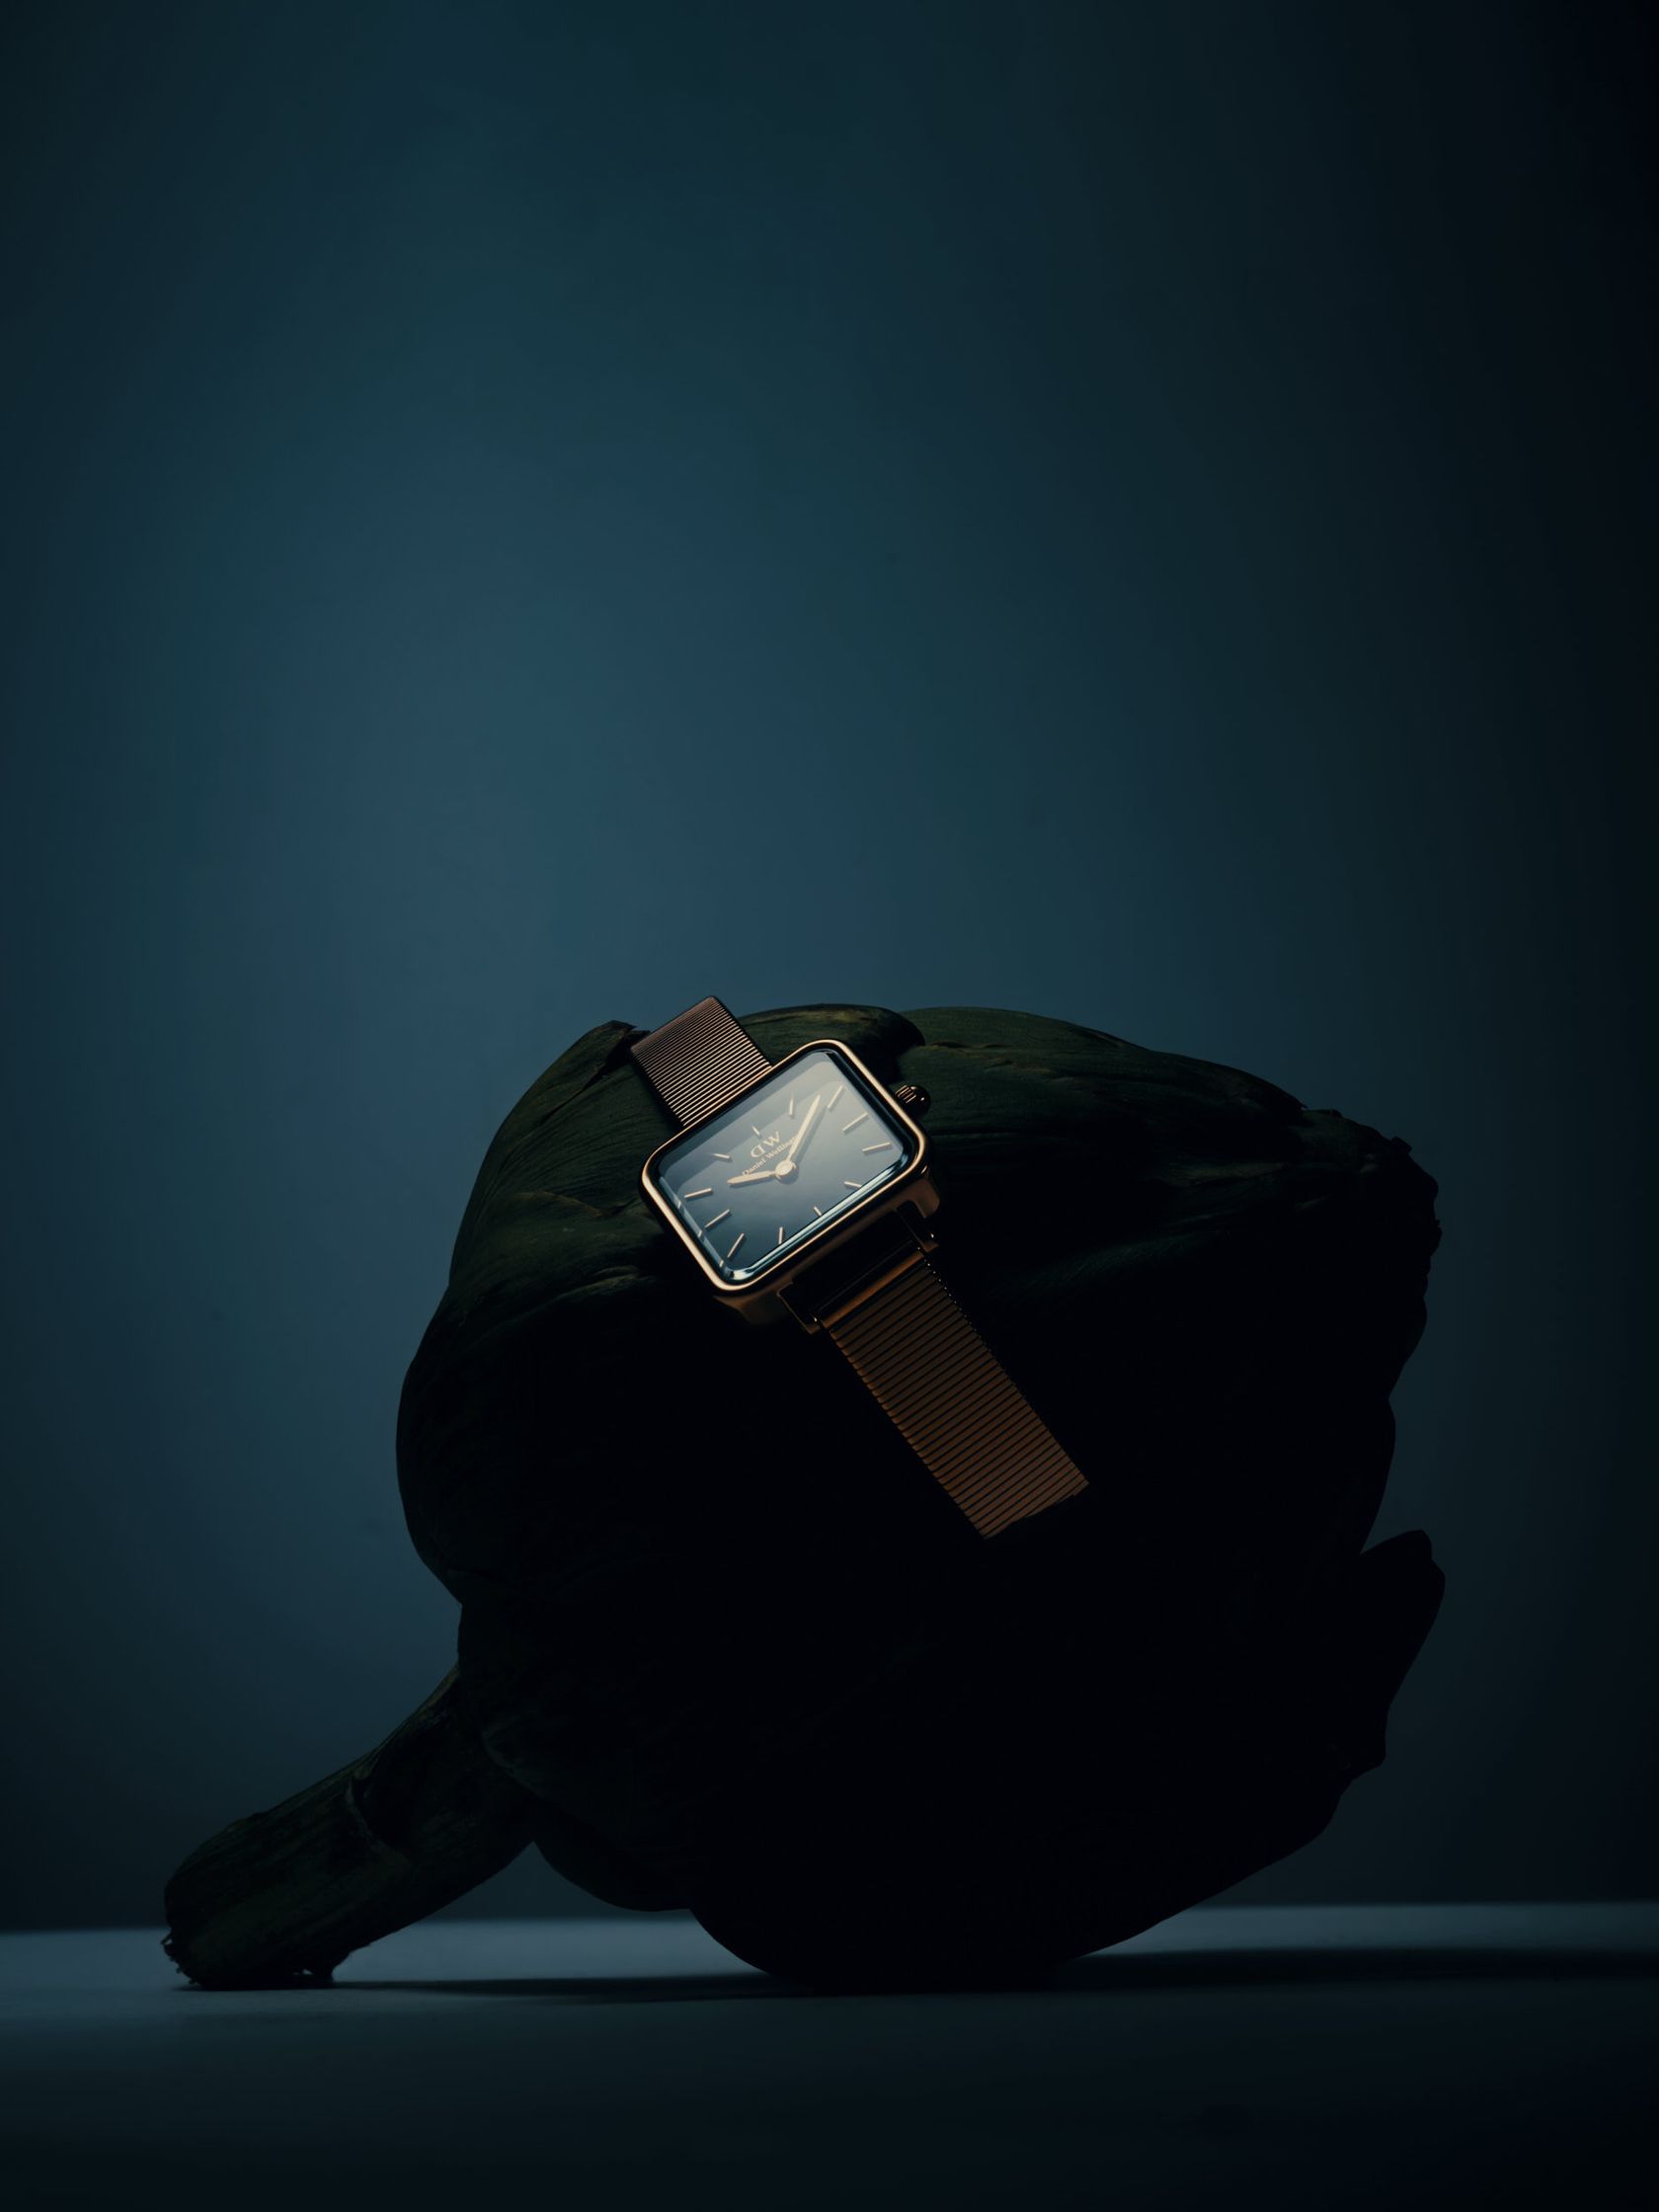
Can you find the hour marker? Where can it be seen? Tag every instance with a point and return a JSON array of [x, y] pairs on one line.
[[853, 1124], [718, 1219], [852, 1185], [755, 1128], [818, 1211], [792, 1105], [886, 1146], [722, 1155], [780, 1232], [742, 1234], [707, 1190], [833, 1095]]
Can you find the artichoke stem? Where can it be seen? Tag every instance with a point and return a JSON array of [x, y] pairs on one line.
[[284, 1895]]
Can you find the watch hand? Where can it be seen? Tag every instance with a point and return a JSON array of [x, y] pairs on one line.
[[775, 1167], [806, 1124]]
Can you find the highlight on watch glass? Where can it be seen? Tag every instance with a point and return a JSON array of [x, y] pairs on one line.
[[776, 1167]]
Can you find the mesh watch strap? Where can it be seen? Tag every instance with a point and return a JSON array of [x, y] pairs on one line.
[[926, 1365], [699, 1060]]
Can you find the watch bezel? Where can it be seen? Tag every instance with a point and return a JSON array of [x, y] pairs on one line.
[[912, 1185]]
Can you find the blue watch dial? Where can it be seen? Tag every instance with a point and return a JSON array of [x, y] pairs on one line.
[[778, 1166]]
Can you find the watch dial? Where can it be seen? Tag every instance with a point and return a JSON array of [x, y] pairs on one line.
[[798, 1152]]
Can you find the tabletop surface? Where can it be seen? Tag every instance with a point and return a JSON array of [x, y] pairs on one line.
[[1292, 2056]]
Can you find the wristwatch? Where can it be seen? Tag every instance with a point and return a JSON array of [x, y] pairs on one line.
[[803, 1188]]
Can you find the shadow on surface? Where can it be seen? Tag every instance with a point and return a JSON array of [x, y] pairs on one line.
[[1220, 1969], [1100, 1974]]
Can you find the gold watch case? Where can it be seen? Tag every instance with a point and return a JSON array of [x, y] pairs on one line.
[[912, 1190]]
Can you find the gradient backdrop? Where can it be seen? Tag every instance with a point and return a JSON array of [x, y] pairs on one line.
[[521, 514]]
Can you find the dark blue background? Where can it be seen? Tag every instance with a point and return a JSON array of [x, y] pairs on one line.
[[521, 514]]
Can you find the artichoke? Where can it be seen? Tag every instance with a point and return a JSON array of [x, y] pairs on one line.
[[726, 1646]]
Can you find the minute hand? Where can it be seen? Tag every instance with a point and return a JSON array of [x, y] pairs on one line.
[[808, 1119]]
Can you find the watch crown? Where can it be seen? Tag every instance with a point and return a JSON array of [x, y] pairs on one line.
[[911, 1097]]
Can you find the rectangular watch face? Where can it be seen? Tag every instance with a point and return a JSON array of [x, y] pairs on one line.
[[782, 1164]]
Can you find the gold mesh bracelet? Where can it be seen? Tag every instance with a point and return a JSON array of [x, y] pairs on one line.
[[926, 1365], [699, 1060]]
